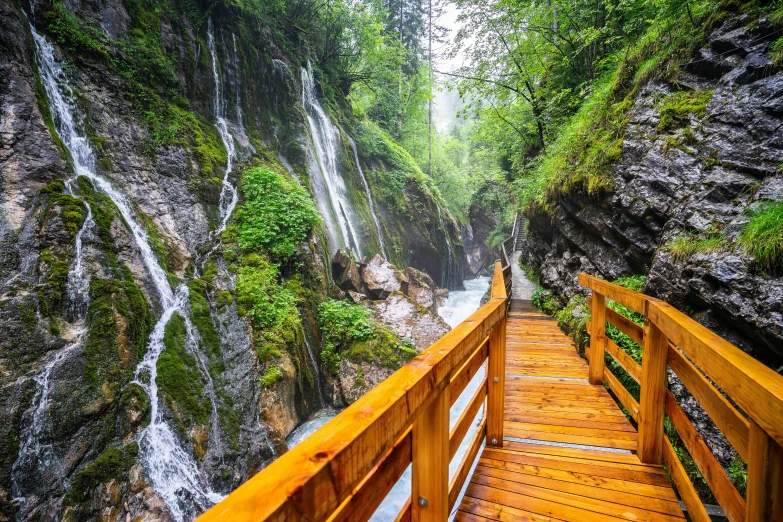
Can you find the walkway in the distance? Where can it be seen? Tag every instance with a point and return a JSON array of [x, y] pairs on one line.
[[568, 449]]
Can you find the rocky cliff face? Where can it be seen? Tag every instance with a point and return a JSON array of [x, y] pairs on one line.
[[698, 157], [116, 282]]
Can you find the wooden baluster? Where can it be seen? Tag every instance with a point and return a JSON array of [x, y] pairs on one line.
[[496, 380], [653, 392], [597, 338], [764, 501], [430, 492]]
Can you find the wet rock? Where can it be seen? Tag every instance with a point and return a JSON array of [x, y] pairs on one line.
[[441, 294], [381, 278], [357, 378], [357, 297], [346, 272], [704, 187], [409, 320], [420, 288]]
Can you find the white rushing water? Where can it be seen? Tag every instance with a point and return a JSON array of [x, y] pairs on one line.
[[448, 272], [331, 193], [228, 193], [173, 472], [311, 426], [462, 303], [369, 199]]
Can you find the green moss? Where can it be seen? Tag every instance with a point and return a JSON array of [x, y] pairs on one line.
[[178, 375], [119, 323], [110, 465], [272, 375], [383, 348], [678, 107], [73, 212], [202, 317], [270, 307], [762, 237]]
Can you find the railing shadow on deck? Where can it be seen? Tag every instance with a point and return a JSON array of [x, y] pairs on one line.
[[718, 375], [344, 470]]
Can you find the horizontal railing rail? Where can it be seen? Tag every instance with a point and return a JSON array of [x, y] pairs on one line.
[[718, 375], [344, 470]]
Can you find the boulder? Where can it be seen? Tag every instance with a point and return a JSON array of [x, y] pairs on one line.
[[381, 278], [408, 320], [346, 272], [420, 288]]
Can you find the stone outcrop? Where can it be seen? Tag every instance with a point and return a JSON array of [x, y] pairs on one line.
[[381, 278], [698, 178], [403, 303], [478, 256]]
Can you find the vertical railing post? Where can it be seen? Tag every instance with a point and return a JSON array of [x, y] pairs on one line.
[[430, 491], [597, 338], [496, 367], [764, 502], [496, 380], [653, 391]]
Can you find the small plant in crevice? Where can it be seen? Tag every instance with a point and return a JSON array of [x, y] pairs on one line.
[[686, 245], [762, 236]]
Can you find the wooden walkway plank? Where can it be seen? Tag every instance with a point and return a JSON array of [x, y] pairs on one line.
[[543, 471]]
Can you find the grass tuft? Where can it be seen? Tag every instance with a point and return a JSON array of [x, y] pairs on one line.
[[762, 237]]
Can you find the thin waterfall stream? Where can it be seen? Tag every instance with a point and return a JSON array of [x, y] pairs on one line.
[[173, 472], [369, 198], [448, 272], [228, 193]]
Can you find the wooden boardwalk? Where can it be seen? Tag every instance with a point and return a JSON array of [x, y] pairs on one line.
[[591, 472]]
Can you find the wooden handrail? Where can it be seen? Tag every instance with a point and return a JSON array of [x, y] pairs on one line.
[[709, 366], [344, 470]]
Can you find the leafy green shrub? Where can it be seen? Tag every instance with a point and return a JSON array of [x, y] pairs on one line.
[[276, 216], [270, 306], [677, 107], [762, 237], [342, 323]]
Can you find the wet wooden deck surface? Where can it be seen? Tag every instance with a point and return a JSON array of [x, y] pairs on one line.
[[593, 474]]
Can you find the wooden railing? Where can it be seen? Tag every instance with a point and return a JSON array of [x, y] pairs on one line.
[[743, 398], [344, 470]]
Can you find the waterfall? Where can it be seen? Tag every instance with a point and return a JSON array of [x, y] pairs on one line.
[[34, 456], [447, 272], [78, 283], [228, 193], [173, 472], [331, 193], [316, 372], [369, 199]]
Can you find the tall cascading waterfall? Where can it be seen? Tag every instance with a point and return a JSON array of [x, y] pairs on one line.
[[448, 272], [369, 199], [228, 193], [173, 472], [331, 193]]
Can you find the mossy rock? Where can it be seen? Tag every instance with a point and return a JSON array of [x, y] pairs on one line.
[[178, 376]]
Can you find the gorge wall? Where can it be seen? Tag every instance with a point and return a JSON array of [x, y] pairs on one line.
[[701, 155], [155, 353]]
